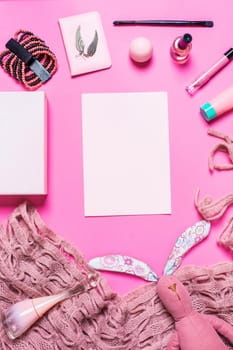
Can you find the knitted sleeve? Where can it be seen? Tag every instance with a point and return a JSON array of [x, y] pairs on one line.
[[37, 262]]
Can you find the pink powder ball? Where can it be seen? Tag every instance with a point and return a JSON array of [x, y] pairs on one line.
[[140, 49]]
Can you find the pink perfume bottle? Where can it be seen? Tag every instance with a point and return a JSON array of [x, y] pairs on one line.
[[22, 315], [181, 48]]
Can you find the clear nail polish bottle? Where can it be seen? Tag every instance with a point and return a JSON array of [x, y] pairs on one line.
[[181, 48]]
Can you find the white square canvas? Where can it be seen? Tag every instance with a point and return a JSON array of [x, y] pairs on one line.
[[23, 143], [126, 153]]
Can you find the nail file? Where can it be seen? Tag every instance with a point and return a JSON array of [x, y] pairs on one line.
[[124, 264], [192, 236]]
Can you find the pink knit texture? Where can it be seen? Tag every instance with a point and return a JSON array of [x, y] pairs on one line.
[[211, 210], [226, 146], [36, 262]]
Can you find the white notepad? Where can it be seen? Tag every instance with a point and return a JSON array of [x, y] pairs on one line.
[[126, 154], [85, 43]]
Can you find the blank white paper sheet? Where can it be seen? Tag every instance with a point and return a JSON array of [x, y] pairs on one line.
[[126, 164]]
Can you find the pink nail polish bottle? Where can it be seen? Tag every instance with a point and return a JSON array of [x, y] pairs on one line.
[[181, 48]]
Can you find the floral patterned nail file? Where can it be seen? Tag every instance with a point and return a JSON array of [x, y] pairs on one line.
[[124, 264], [187, 240], [85, 43]]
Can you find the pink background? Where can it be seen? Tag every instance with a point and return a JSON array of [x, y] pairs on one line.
[[150, 237]]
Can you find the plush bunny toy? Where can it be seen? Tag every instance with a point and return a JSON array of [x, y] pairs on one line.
[[194, 331]]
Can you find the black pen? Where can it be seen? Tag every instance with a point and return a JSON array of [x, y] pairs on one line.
[[165, 23]]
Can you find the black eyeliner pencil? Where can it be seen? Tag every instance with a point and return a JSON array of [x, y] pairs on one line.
[[176, 23]]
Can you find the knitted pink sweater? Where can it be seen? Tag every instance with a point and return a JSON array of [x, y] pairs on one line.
[[36, 262]]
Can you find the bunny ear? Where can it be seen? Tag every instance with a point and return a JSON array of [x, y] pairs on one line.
[[186, 241], [124, 264]]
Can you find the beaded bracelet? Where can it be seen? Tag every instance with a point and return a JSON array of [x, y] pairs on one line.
[[21, 71]]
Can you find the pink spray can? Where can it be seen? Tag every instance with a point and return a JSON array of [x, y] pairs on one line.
[[219, 105]]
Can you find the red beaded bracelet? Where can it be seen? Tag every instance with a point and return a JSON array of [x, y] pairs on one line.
[[21, 71]]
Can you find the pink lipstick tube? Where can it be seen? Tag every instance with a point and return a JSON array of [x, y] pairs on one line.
[[206, 76], [220, 104]]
